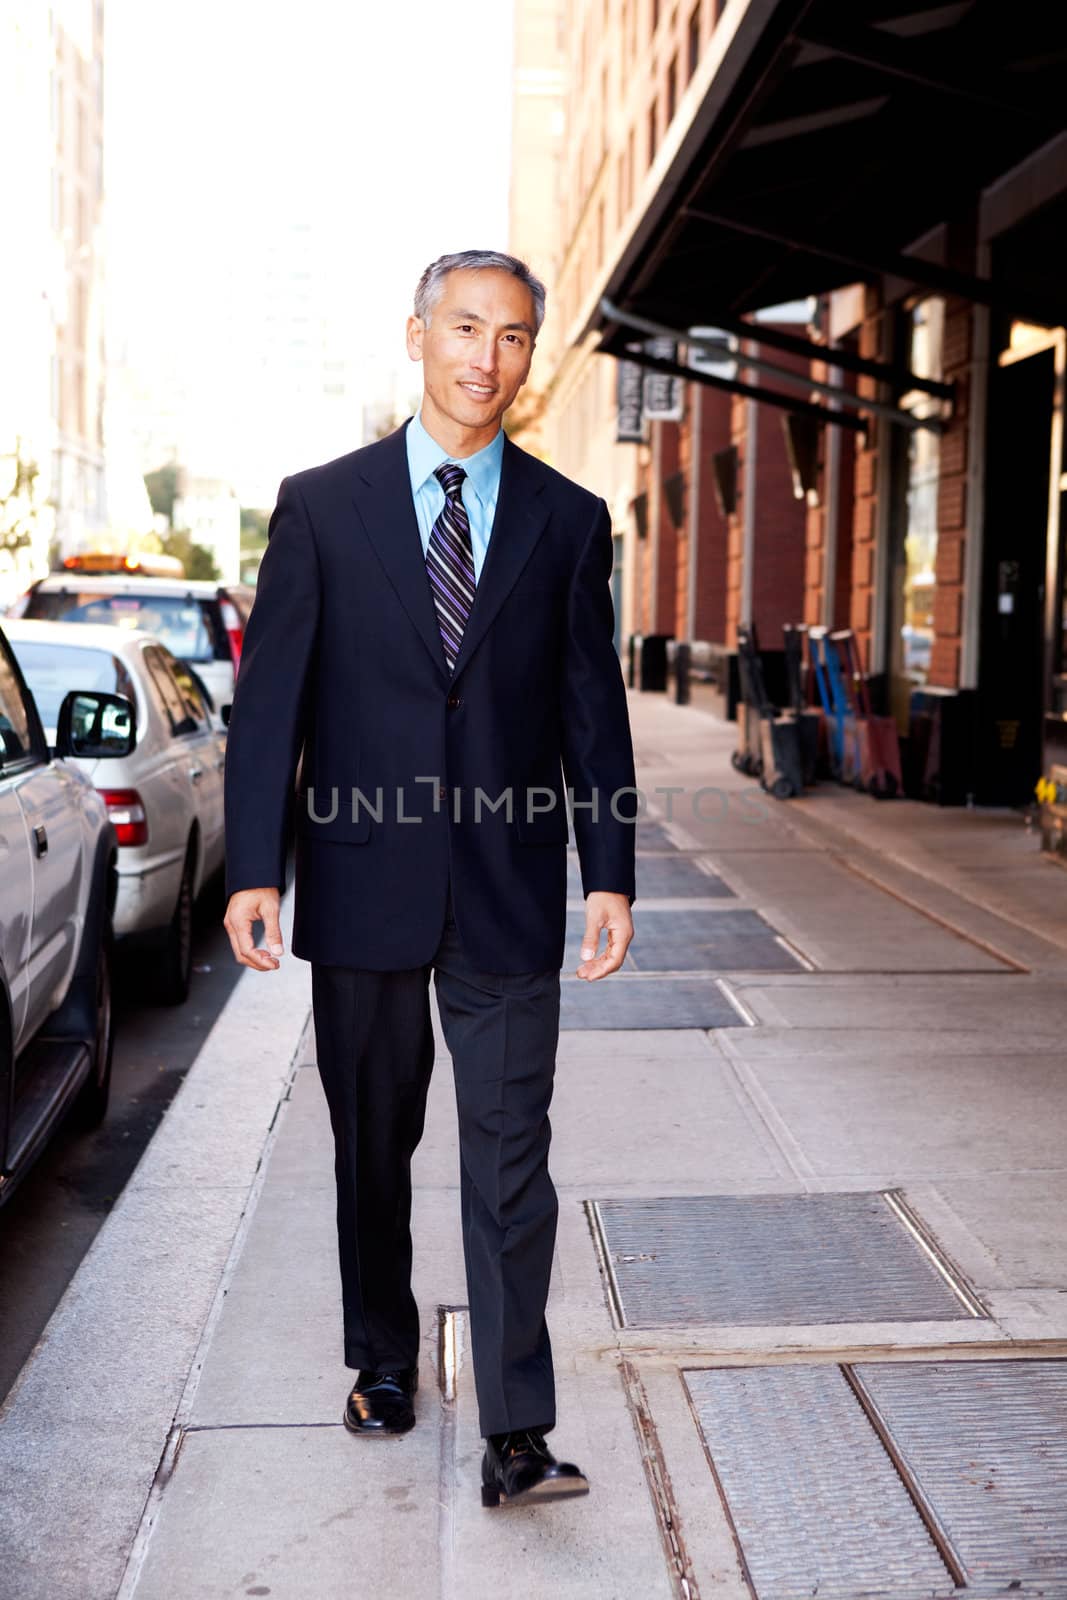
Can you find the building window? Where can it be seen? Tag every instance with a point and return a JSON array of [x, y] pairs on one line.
[[620, 189], [652, 131], [655, 15], [630, 169], [693, 47], [600, 234], [672, 89]]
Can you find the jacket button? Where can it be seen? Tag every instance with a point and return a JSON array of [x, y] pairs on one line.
[[442, 792], [453, 701]]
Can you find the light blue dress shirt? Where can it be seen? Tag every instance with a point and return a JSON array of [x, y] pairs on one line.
[[479, 492]]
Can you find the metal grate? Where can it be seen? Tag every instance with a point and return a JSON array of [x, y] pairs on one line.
[[892, 1479], [635, 1003], [653, 836], [987, 1443], [816, 1503], [665, 877], [774, 1260], [697, 941]]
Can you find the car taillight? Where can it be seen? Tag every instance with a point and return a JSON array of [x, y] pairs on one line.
[[126, 810], [235, 633]]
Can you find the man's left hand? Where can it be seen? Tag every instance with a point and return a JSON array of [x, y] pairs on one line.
[[610, 912]]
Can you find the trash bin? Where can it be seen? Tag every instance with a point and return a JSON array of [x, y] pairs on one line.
[[631, 665], [654, 661], [682, 661]]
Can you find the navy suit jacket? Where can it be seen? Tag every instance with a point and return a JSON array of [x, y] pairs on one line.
[[413, 776]]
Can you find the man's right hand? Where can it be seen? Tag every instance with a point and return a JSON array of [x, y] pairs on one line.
[[246, 908]]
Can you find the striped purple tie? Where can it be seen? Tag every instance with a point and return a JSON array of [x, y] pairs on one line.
[[450, 562]]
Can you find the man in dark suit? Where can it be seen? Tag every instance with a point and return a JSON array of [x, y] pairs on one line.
[[433, 631]]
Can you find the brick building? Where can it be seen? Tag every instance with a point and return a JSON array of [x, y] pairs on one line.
[[866, 208]]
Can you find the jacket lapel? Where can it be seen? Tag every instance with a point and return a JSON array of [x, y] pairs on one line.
[[521, 515], [382, 495]]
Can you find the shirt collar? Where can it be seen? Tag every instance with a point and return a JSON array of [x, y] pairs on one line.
[[425, 455]]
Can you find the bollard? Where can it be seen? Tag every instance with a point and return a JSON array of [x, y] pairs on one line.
[[681, 673], [654, 662]]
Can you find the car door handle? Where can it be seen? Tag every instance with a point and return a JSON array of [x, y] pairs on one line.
[[40, 839], [196, 773]]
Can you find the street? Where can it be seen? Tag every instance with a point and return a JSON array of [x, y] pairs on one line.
[[52, 1220]]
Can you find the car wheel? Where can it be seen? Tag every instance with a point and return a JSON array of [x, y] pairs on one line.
[[92, 1103], [176, 966]]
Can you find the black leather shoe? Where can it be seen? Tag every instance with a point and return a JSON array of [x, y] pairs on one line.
[[520, 1466], [381, 1402]]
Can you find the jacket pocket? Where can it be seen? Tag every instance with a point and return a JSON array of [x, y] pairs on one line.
[[534, 824]]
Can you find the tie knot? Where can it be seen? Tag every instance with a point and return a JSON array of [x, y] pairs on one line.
[[450, 477]]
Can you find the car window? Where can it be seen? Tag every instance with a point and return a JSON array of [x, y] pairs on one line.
[[192, 699], [52, 670], [16, 740], [187, 626], [174, 707]]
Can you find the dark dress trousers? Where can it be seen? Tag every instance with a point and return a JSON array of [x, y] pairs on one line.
[[431, 823]]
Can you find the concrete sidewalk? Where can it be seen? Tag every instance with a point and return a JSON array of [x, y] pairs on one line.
[[177, 1433]]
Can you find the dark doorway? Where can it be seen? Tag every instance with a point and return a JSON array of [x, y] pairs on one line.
[[1012, 638]]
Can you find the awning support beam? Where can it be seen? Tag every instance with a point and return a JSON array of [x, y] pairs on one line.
[[751, 391], [943, 280], [799, 380], [898, 378]]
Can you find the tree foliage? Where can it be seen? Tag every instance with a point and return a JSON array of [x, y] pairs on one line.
[[197, 559], [21, 505], [254, 528], [164, 486]]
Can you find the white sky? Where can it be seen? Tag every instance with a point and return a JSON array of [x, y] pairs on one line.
[[383, 123]]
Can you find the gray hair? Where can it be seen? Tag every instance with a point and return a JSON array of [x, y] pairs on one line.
[[432, 283]]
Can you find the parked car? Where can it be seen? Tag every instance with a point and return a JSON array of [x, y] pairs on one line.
[[165, 798], [57, 886], [199, 622]]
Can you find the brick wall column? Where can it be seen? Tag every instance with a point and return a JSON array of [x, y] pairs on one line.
[[665, 453], [952, 509], [735, 524], [872, 336], [712, 526]]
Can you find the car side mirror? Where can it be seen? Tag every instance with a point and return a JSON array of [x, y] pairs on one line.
[[92, 724], [225, 714]]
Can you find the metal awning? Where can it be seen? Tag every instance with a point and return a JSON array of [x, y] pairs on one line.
[[621, 344], [831, 141]]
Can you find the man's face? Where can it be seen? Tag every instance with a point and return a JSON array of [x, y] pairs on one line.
[[477, 348]]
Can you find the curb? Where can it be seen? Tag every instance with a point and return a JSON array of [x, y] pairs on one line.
[[87, 1426]]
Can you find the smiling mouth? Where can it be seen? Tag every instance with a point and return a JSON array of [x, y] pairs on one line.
[[480, 391]]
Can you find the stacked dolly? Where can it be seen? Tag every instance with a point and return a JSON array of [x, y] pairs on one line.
[[780, 746], [864, 749]]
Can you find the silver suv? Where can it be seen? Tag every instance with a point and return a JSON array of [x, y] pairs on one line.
[[57, 886]]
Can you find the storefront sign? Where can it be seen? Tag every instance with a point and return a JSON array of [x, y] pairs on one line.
[[629, 403], [664, 394]]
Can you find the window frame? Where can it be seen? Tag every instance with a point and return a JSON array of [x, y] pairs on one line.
[[36, 753]]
